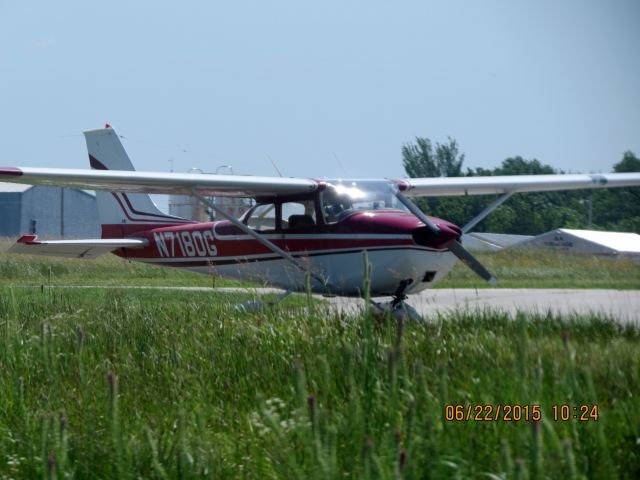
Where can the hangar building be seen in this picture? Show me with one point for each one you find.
(50, 212)
(587, 242)
(491, 242)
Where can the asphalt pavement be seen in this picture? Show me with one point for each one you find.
(621, 305)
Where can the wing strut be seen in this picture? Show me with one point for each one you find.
(484, 213)
(270, 245)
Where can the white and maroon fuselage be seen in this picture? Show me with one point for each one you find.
(398, 247)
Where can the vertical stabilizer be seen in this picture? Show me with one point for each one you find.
(120, 213)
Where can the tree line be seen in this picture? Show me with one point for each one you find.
(614, 209)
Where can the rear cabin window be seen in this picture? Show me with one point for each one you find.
(299, 214)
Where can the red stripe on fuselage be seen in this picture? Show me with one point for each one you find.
(147, 214)
(98, 165)
(358, 232)
(121, 230)
(212, 262)
(240, 248)
(169, 242)
(170, 220)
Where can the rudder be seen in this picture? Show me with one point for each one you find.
(120, 213)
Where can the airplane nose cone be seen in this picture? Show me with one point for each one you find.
(449, 232)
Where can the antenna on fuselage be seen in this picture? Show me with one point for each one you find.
(274, 165)
(344, 171)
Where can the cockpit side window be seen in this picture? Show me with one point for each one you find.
(263, 217)
(334, 206)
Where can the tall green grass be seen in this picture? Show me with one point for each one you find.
(106, 270)
(145, 384)
(520, 268)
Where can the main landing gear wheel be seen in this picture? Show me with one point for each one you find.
(251, 306)
(397, 308)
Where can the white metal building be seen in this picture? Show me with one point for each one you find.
(491, 242)
(587, 242)
(50, 212)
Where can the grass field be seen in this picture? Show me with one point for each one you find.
(513, 268)
(538, 269)
(126, 383)
(123, 384)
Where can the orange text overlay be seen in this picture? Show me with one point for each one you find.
(517, 413)
(491, 413)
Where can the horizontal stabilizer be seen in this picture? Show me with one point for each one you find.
(89, 248)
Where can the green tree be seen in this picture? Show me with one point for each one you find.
(629, 163)
(528, 213)
(531, 213)
(422, 160)
(618, 209)
(519, 166)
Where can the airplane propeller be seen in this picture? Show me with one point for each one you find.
(455, 247)
(472, 262)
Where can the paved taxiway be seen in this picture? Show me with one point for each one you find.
(622, 305)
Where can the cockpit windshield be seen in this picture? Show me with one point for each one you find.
(341, 198)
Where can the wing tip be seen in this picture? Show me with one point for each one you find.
(10, 172)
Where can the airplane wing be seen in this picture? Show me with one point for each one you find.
(30, 245)
(456, 186)
(158, 182)
(255, 186)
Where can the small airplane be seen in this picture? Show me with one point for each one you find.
(301, 233)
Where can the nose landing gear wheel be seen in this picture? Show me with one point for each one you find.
(397, 308)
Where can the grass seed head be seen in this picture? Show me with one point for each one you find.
(403, 458)
(113, 385)
(80, 336)
(51, 465)
(311, 400)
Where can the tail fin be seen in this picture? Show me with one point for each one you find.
(120, 213)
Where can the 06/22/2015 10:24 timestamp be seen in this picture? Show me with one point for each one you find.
(518, 412)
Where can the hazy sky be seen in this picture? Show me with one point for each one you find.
(329, 88)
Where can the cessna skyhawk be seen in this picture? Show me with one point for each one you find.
(300, 231)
